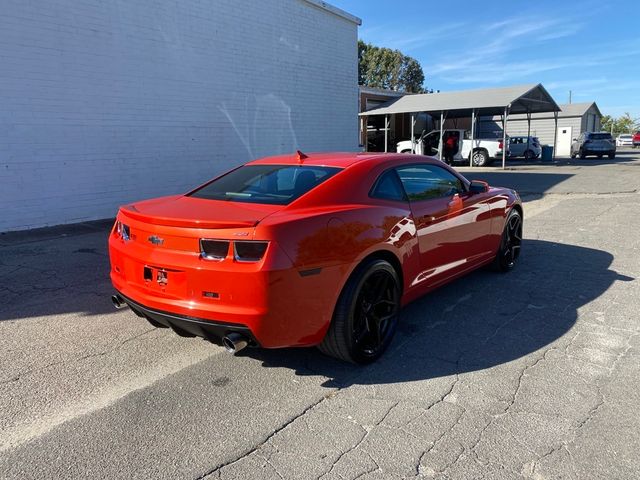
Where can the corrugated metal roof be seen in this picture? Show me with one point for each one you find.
(488, 101)
(577, 109)
(566, 111)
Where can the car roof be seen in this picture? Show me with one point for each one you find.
(338, 159)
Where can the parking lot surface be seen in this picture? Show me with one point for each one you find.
(530, 374)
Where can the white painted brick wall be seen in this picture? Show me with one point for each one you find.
(107, 102)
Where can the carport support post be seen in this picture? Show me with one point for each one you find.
(528, 128)
(386, 132)
(555, 135)
(441, 134)
(473, 125)
(413, 140)
(504, 137)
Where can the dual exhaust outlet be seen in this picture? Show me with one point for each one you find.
(232, 342)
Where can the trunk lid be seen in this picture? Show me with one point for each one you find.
(189, 212)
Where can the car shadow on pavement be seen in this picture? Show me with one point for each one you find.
(477, 322)
(57, 270)
(531, 184)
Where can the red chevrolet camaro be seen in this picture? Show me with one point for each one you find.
(304, 250)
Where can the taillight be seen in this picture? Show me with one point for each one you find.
(123, 231)
(249, 251)
(500, 145)
(214, 249)
(245, 251)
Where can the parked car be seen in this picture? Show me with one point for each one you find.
(485, 151)
(636, 139)
(523, 146)
(590, 143)
(624, 140)
(304, 250)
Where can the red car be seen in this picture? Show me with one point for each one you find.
(636, 140)
(309, 250)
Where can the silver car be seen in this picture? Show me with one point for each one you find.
(593, 143)
(527, 147)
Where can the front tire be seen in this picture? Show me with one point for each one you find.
(529, 155)
(583, 155)
(510, 244)
(612, 156)
(366, 315)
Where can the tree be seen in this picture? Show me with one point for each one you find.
(623, 124)
(390, 69)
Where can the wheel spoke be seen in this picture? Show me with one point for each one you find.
(362, 334)
(374, 328)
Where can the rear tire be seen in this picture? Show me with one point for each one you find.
(529, 155)
(366, 315)
(612, 156)
(479, 158)
(582, 154)
(510, 244)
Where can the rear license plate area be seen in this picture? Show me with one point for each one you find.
(171, 282)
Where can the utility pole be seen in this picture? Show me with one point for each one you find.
(569, 97)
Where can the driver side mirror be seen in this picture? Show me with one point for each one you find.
(575, 139)
(478, 186)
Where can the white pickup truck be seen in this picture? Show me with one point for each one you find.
(484, 151)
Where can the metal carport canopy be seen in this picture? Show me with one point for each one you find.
(489, 101)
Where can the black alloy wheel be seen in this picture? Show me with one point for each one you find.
(511, 243)
(366, 316)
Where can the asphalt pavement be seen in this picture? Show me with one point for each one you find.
(531, 374)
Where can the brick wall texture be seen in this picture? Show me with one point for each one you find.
(107, 102)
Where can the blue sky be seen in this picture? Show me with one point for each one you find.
(589, 47)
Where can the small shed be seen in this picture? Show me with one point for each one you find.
(573, 119)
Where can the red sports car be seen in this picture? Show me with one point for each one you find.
(304, 250)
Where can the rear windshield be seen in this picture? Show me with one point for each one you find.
(271, 184)
(600, 136)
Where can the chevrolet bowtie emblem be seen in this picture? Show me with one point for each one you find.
(156, 240)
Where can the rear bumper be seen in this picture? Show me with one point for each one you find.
(190, 326)
(599, 152)
(270, 302)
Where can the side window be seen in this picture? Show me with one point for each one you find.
(425, 182)
(388, 187)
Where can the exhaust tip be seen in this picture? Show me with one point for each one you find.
(118, 301)
(234, 342)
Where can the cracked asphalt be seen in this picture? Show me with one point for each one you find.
(533, 374)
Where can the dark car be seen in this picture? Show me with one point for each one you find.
(595, 144)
